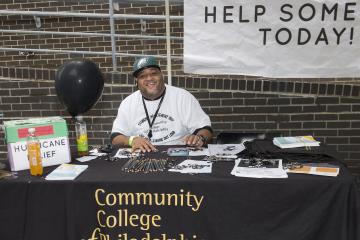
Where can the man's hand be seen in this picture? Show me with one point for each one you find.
(143, 144)
(194, 141)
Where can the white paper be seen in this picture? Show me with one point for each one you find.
(233, 40)
(225, 150)
(95, 150)
(98, 154)
(51, 155)
(193, 166)
(86, 158)
(254, 172)
(66, 172)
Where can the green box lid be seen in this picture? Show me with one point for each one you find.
(47, 127)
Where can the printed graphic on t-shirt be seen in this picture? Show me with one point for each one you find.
(162, 129)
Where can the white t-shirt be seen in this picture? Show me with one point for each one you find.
(180, 114)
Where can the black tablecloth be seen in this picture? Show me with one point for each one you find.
(212, 206)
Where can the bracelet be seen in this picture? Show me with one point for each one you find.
(131, 139)
(203, 138)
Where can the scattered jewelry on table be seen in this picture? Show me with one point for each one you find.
(111, 158)
(259, 163)
(145, 165)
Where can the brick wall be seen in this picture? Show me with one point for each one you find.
(80, 43)
(329, 109)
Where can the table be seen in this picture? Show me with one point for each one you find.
(98, 205)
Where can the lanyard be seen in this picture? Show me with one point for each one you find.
(155, 114)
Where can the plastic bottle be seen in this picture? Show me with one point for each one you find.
(34, 154)
(81, 136)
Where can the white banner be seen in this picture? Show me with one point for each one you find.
(278, 38)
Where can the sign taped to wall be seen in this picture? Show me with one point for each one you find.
(279, 38)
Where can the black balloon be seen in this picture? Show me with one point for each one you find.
(78, 85)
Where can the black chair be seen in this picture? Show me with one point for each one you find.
(238, 137)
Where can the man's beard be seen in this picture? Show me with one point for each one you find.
(154, 93)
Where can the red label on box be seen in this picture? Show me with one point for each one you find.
(39, 131)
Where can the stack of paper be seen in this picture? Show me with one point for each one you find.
(244, 170)
(225, 150)
(293, 142)
(193, 166)
(66, 172)
(95, 152)
(317, 169)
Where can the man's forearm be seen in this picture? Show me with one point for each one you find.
(121, 140)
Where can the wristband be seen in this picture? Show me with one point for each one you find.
(131, 139)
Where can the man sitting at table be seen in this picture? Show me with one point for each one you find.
(159, 114)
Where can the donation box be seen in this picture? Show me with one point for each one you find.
(53, 136)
